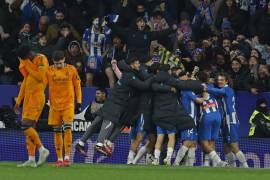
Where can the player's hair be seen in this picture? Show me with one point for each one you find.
(103, 90)
(131, 60)
(203, 76)
(58, 55)
(164, 67)
(23, 52)
(227, 78)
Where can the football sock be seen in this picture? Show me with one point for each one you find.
(230, 158)
(131, 154)
(58, 142)
(180, 154)
(67, 142)
(140, 154)
(169, 152)
(31, 148)
(32, 134)
(157, 153)
(214, 157)
(191, 156)
(206, 160)
(241, 157)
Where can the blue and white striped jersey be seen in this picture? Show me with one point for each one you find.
(227, 102)
(188, 99)
(96, 41)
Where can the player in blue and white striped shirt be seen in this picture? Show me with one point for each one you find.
(210, 123)
(95, 45)
(189, 137)
(230, 126)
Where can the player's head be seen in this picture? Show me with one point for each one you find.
(165, 68)
(58, 59)
(203, 76)
(222, 80)
(183, 76)
(101, 94)
(140, 22)
(24, 52)
(134, 63)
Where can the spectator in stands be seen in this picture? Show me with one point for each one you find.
(74, 57)
(91, 112)
(43, 25)
(78, 14)
(260, 120)
(253, 67)
(53, 31)
(31, 13)
(220, 62)
(239, 75)
(43, 47)
(50, 7)
(262, 84)
(25, 35)
(118, 49)
(157, 22)
(7, 74)
(260, 25)
(205, 16)
(229, 12)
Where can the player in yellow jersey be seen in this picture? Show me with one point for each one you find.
(64, 83)
(33, 67)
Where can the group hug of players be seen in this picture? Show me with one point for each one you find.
(150, 97)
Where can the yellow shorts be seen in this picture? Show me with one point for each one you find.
(60, 117)
(31, 114)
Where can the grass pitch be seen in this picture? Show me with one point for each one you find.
(9, 171)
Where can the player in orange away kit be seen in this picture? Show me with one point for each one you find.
(64, 83)
(33, 68)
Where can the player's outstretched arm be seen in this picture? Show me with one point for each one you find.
(216, 91)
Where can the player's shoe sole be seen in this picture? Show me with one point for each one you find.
(28, 163)
(43, 157)
(80, 149)
(101, 149)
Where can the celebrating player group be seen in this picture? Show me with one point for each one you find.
(161, 103)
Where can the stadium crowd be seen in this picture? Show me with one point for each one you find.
(215, 35)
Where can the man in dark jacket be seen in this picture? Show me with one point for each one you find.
(260, 120)
(138, 39)
(168, 114)
(116, 104)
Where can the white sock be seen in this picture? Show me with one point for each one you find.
(241, 157)
(180, 154)
(169, 152)
(206, 160)
(230, 158)
(60, 159)
(214, 157)
(131, 154)
(81, 143)
(31, 158)
(140, 154)
(66, 157)
(157, 153)
(41, 149)
(191, 156)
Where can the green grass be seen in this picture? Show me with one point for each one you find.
(9, 171)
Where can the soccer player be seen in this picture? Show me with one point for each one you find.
(95, 46)
(230, 128)
(33, 68)
(116, 105)
(168, 113)
(189, 137)
(64, 83)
